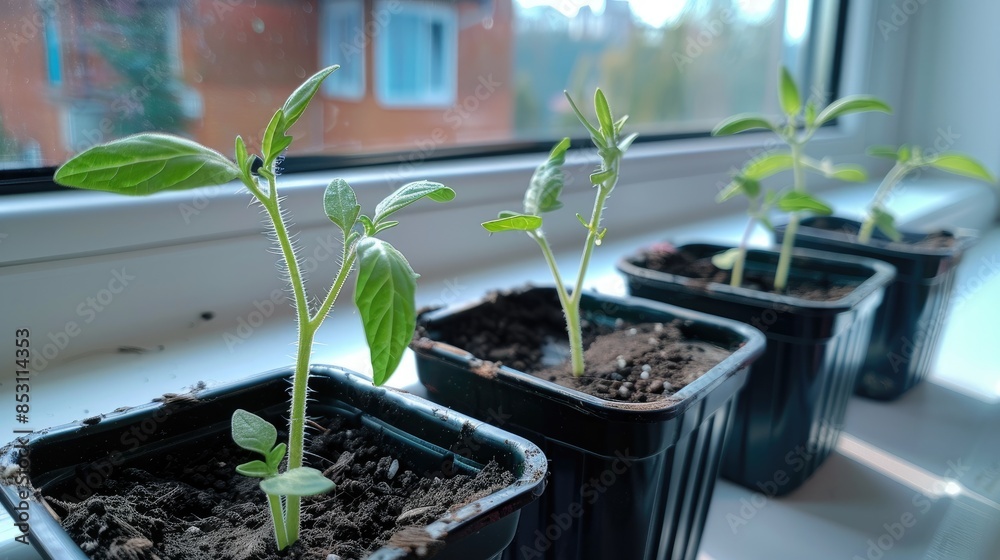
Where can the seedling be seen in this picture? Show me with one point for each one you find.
(384, 293)
(543, 196)
(801, 121)
(909, 159)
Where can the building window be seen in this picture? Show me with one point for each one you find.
(53, 51)
(343, 41)
(417, 55)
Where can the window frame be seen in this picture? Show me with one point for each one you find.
(329, 49)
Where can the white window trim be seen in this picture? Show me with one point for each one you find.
(331, 53)
(446, 14)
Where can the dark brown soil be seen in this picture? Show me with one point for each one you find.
(665, 258)
(625, 362)
(934, 240)
(195, 507)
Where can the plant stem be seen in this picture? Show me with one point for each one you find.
(278, 516)
(895, 175)
(296, 421)
(347, 263)
(741, 258)
(785, 259)
(570, 310)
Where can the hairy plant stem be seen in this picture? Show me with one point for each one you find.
(895, 174)
(785, 258)
(287, 522)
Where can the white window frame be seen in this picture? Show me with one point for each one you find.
(335, 49)
(447, 17)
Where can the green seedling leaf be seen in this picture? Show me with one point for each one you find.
(770, 164)
(743, 122)
(788, 94)
(626, 143)
(852, 104)
(253, 433)
(276, 455)
(766, 222)
(851, 173)
(547, 182)
(726, 260)
(300, 98)
(303, 481)
(796, 201)
(599, 177)
(961, 164)
(739, 185)
(513, 222)
(146, 163)
(341, 204)
(410, 193)
(275, 140)
(620, 124)
(382, 226)
(905, 152)
(385, 298)
(604, 114)
(888, 152)
(594, 133)
(256, 469)
(810, 113)
(368, 224)
(886, 223)
(243, 159)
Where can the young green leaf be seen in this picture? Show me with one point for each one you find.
(726, 260)
(275, 140)
(796, 201)
(243, 158)
(847, 172)
(547, 182)
(743, 122)
(276, 455)
(146, 163)
(303, 481)
(256, 469)
(886, 223)
(595, 134)
(810, 114)
(410, 193)
(961, 164)
(513, 222)
(852, 104)
(767, 165)
(788, 94)
(384, 295)
(888, 152)
(252, 432)
(341, 204)
(604, 114)
(296, 103)
(626, 142)
(905, 152)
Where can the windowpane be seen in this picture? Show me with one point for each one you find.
(417, 75)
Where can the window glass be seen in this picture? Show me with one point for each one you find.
(417, 76)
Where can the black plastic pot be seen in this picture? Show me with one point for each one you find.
(627, 480)
(790, 414)
(909, 322)
(421, 432)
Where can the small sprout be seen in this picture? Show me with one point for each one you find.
(147, 163)
(542, 196)
(909, 159)
(801, 121)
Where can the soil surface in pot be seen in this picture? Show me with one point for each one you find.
(193, 506)
(665, 258)
(625, 362)
(934, 240)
